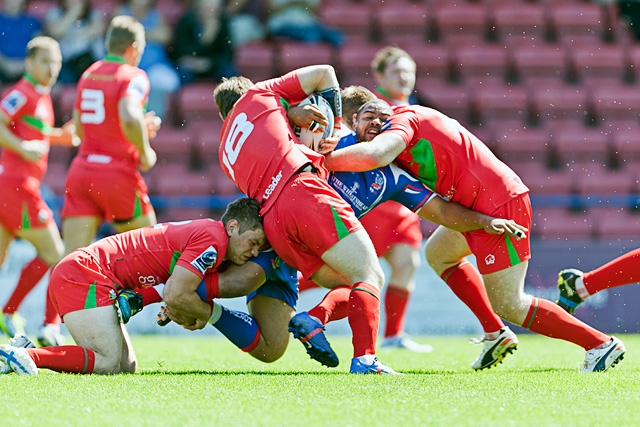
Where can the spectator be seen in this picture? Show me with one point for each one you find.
(395, 74)
(203, 46)
(17, 28)
(246, 20)
(298, 20)
(80, 31)
(155, 61)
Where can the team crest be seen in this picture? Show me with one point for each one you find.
(490, 259)
(13, 102)
(206, 260)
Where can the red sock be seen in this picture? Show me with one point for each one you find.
(65, 358)
(547, 318)
(364, 316)
(466, 282)
(396, 300)
(621, 271)
(149, 296)
(29, 278)
(334, 305)
(306, 284)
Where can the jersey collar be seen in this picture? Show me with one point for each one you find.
(114, 58)
(37, 86)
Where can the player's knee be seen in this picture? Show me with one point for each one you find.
(267, 355)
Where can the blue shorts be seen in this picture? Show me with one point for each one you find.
(282, 279)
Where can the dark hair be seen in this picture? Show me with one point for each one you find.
(246, 211)
(354, 97)
(227, 93)
(122, 33)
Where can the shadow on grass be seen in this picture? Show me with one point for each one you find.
(225, 373)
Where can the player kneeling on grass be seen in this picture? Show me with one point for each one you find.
(85, 284)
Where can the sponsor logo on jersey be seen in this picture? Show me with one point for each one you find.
(13, 102)
(206, 260)
(274, 183)
(138, 87)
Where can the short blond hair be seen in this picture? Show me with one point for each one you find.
(41, 43)
(388, 55)
(123, 32)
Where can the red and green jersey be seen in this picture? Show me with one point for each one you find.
(29, 107)
(448, 158)
(100, 89)
(147, 256)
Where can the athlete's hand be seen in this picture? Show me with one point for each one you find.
(148, 159)
(501, 226)
(153, 124)
(33, 150)
(178, 317)
(305, 115)
(327, 145)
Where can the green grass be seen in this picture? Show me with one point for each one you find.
(189, 381)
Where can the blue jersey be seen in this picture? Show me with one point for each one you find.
(366, 190)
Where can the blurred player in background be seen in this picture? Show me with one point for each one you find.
(84, 287)
(104, 182)
(576, 286)
(26, 130)
(448, 158)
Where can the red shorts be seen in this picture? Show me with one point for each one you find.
(114, 191)
(22, 206)
(78, 282)
(495, 252)
(308, 218)
(390, 224)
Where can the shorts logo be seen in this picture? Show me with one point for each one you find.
(13, 102)
(206, 260)
(490, 259)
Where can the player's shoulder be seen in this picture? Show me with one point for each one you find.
(16, 97)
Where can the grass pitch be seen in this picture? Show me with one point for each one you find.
(200, 380)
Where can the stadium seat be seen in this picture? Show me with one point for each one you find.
(433, 60)
(176, 179)
(538, 61)
(560, 224)
(174, 145)
(598, 61)
(353, 19)
(575, 20)
(616, 222)
(598, 179)
(625, 139)
(520, 20)
(554, 100)
(292, 54)
(574, 143)
(460, 19)
(222, 184)
(206, 141)
(518, 142)
(496, 101)
(542, 180)
(255, 60)
(615, 101)
(195, 102)
(354, 60)
(453, 100)
(39, 8)
(633, 54)
(475, 62)
(182, 213)
(401, 20)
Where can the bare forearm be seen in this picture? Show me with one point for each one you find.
(454, 216)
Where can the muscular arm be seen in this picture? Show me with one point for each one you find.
(29, 150)
(457, 217)
(241, 280)
(317, 77)
(381, 151)
(134, 127)
(180, 295)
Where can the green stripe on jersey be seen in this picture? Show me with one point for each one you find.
(90, 301)
(174, 260)
(26, 224)
(38, 124)
(341, 229)
(514, 259)
(422, 154)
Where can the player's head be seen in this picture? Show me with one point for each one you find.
(395, 72)
(353, 97)
(369, 119)
(43, 60)
(126, 38)
(227, 93)
(243, 223)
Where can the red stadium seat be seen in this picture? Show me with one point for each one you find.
(401, 20)
(572, 20)
(597, 179)
(560, 224)
(615, 101)
(553, 100)
(542, 180)
(574, 143)
(292, 55)
(176, 179)
(195, 102)
(433, 60)
(517, 142)
(616, 223)
(206, 141)
(354, 19)
(461, 19)
(174, 145)
(255, 60)
(593, 61)
(452, 100)
(501, 102)
(520, 20)
(625, 139)
(182, 213)
(354, 60)
(535, 61)
(481, 61)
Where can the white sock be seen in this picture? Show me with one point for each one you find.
(367, 359)
(581, 289)
(216, 313)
